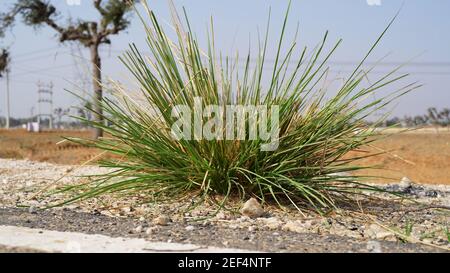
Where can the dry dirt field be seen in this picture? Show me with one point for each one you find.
(422, 156)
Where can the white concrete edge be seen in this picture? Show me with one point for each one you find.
(74, 242)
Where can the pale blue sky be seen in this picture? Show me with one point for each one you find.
(422, 28)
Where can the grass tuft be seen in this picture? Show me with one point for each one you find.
(310, 169)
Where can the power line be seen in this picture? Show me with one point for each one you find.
(39, 57)
(39, 71)
(34, 52)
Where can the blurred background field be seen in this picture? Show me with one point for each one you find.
(421, 155)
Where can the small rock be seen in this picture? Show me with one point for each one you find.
(376, 232)
(221, 216)
(161, 220)
(141, 219)
(251, 228)
(190, 228)
(405, 183)
(296, 226)
(252, 209)
(151, 230)
(138, 229)
(431, 193)
(374, 247)
(243, 219)
(126, 210)
(32, 210)
(272, 223)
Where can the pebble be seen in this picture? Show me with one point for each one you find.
(162, 220)
(374, 247)
(190, 228)
(221, 216)
(138, 229)
(296, 226)
(32, 210)
(252, 209)
(126, 210)
(376, 232)
(405, 183)
(272, 223)
(151, 230)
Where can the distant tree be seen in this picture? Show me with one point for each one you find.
(445, 116)
(420, 121)
(392, 122)
(409, 121)
(84, 113)
(4, 62)
(60, 113)
(433, 116)
(91, 34)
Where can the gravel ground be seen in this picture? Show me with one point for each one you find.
(378, 225)
(202, 234)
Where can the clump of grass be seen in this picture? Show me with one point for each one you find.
(310, 168)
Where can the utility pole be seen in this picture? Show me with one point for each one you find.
(45, 96)
(8, 112)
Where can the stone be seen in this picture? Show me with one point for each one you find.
(252, 209)
(161, 220)
(190, 228)
(138, 229)
(126, 210)
(376, 232)
(374, 247)
(32, 210)
(221, 216)
(272, 223)
(405, 183)
(296, 226)
(151, 230)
